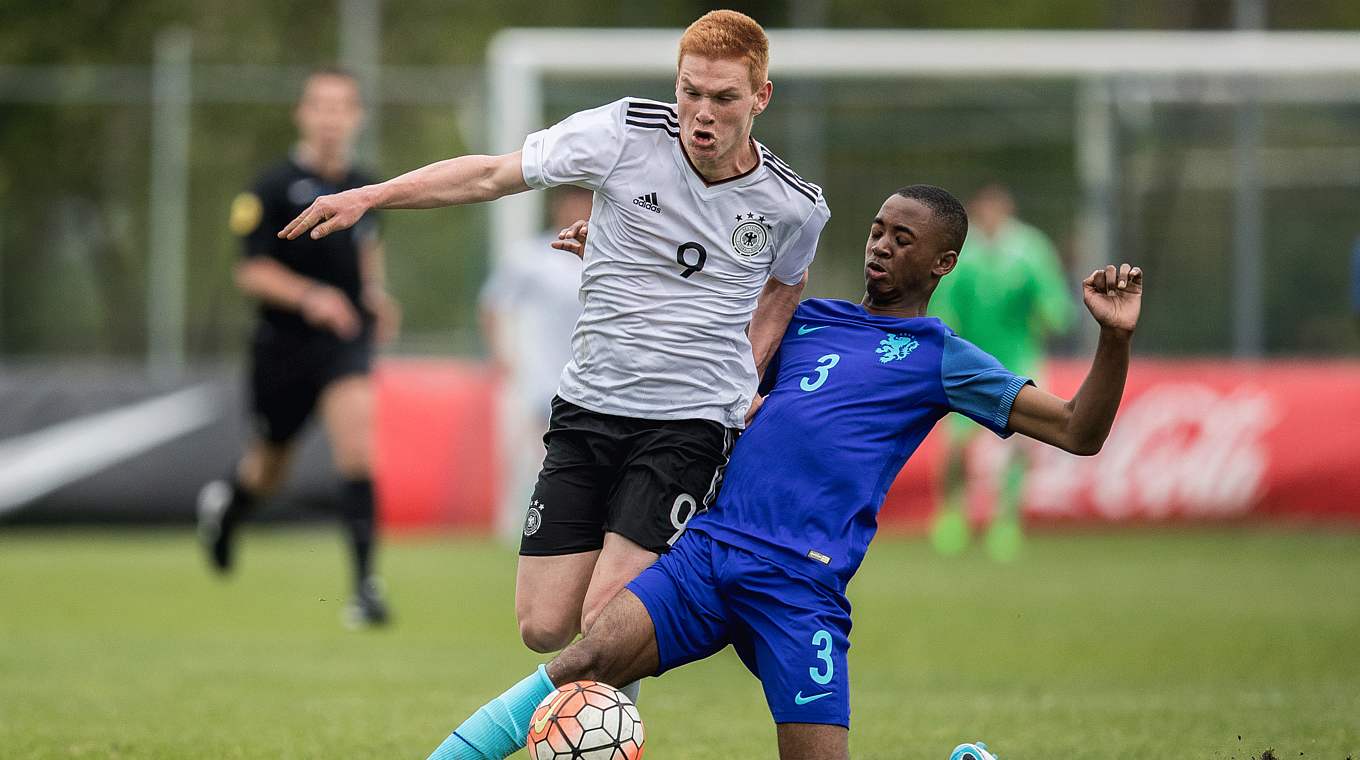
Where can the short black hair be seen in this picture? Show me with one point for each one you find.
(950, 212)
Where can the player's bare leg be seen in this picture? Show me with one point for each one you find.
(347, 412)
(813, 741)
(549, 594)
(620, 561)
(1005, 535)
(223, 504)
(263, 467)
(619, 649)
(949, 532)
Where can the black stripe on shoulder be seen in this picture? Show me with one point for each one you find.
(774, 169)
(785, 165)
(653, 125)
(634, 104)
(777, 162)
(653, 116)
(801, 187)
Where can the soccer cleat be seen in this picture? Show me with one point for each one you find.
(367, 608)
(972, 751)
(213, 531)
(949, 533)
(1005, 537)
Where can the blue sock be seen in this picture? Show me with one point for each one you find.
(500, 727)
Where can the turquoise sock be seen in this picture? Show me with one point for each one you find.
(499, 728)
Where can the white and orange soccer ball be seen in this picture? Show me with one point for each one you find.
(585, 720)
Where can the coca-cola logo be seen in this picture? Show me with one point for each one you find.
(1177, 450)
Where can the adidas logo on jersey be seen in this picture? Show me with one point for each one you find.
(648, 202)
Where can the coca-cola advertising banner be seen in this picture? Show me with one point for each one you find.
(1194, 440)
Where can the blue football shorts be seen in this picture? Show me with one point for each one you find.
(790, 631)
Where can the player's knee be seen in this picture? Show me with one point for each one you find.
(353, 469)
(352, 459)
(262, 482)
(545, 635)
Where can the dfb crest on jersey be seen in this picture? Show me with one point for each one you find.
(534, 519)
(751, 235)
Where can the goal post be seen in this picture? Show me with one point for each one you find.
(520, 59)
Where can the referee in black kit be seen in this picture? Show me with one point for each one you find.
(322, 308)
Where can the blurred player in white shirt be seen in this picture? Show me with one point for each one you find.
(528, 310)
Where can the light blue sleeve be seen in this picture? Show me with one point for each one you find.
(977, 386)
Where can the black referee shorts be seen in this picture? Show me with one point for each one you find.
(642, 479)
(288, 373)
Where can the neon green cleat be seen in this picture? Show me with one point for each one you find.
(949, 533)
(1005, 537)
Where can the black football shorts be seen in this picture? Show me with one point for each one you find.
(642, 479)
(288, 373)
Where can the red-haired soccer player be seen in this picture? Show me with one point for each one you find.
(697, 232)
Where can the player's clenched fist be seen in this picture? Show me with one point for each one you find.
(1114, 296)
(328, 214)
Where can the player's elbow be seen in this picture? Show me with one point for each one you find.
(792, 293)
(1084, 445)
(499, 176)
(1086, 449)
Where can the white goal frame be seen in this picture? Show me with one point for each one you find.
(1244, 67)
(1240, 68)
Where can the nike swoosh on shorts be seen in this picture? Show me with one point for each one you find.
(802, 700)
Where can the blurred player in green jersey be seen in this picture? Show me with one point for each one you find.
(1007, 293)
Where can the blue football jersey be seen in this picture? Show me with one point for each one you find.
(853, 395)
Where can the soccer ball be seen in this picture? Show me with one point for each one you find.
(585, 720)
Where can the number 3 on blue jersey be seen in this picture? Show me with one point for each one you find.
(823, 368)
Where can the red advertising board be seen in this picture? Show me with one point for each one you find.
(1194, 440)
(434, 445)
(1201, 440)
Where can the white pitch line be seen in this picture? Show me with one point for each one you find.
(38, 463)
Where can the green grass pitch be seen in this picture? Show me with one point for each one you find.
(1132, 645)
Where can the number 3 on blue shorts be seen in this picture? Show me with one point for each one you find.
(822, 640)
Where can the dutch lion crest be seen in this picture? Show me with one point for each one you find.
(895, 347)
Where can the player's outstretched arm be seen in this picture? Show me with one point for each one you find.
(1081, 425)
(453, 182)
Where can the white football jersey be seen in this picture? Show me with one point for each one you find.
(673, 265)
